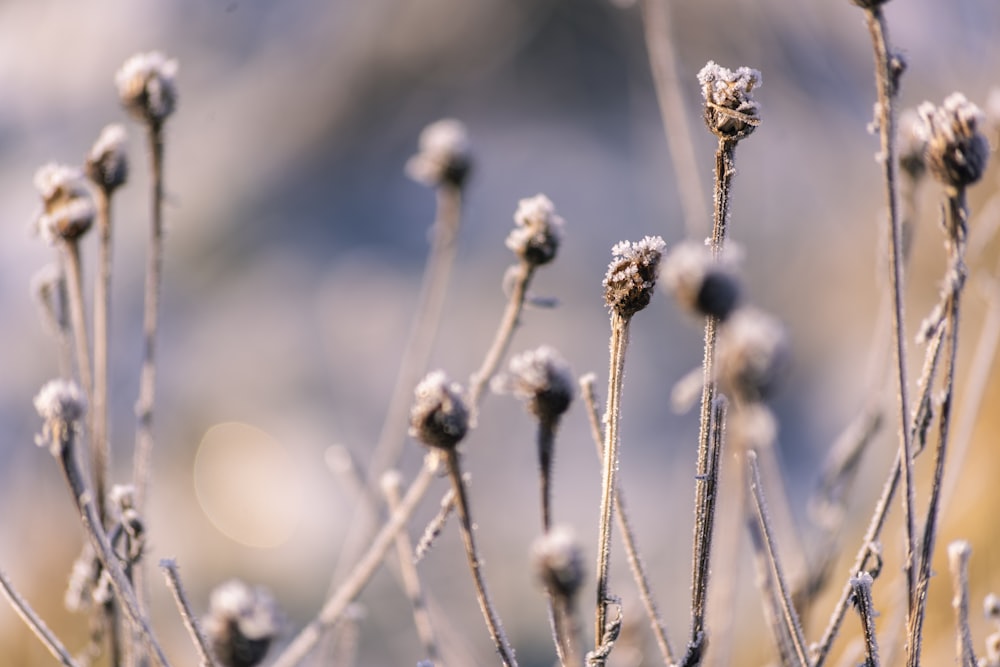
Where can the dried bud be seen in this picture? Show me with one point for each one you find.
(752, 355)
(536, 237)
(730, 110)
(912, 145)
(559, 562)
(439, 417)
(62, 406)
(67, 205)
(542, 378)
(752, 426)
(957, 150)
(991, 607)
(241, 623)
(107, 163)
(444, 156)
(631, 276)
(147, 88)
(701, 283)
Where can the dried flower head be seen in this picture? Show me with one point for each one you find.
(241, 623)
(752, 426)
(700, 282)
(538, 231)
(61, 404)
(753, 354)
(444, 156)
(439, 417)
(67, 205)
(107, 162)
(991, 607)
(147, 88)
(543, 379)
(558, 561)
(957, 150)
(730, 110)
(912, 145)
(631, 276)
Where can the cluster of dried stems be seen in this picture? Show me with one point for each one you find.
(744, 353)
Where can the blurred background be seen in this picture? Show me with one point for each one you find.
(295, 244)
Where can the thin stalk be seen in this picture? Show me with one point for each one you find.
(35, 623)
(886, 85)
(566, 630)
(423, 330)
(78, 317)
(546, 442)
(955, 223)
(475, 564)
(627, 533)
(670, 98)
(173, 577)
(501, 341)
(958, 562)
(790, 619)
(102, 308)
(360, 575)
(150, 322)
(619, 343)
(410, 577)
(862, 585)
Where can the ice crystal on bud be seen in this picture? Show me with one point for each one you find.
(439, 417)
(241, 623)
(67, 205)
(107, 163)
(60, 403)
(147, 87)
(542, 378)
(444, 155)
(538, 231)
(699, 282)
(730, 110)
(631, 276)
(559, 562)
(957, 150)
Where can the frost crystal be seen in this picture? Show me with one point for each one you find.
(730, 110)
(957, 150)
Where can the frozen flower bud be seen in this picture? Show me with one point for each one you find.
(701, 283)
(67, 205)
(439, 417)
(538, 231)
(752, 355)
(957, 150)
(147, 87)
(62, 406)
(912, 145)
(542, 378)
(241, 623)
(444, 156)
(558, 562)
(631, 276)
(730, 110)
(107, 163)
(991, 607)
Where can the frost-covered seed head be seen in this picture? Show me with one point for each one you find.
(753, 354)
(752, 426)
(107, 162)
(147, 87)
(992, 650)
(559, 562)
(631, 276)
(699, 282)
(241, 623)
(543, 379)
(444, 156)
(991, 607)
(957, 149)
(438, 417)
(538, 231)
(60, 403)
(730, 110)
(67, 205)
(912, 145)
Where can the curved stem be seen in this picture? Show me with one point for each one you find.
(35, 624)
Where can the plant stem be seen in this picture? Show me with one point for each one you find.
(862, 585)
(619, 343)
(169, 567)
(475, 564)
(78, 317)
(958, 562)
(627, 533)
(35, 624)
(546, 442)
(886, 85)
(423, 331)
(955, 223)
(367, 565)
(102, 307)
